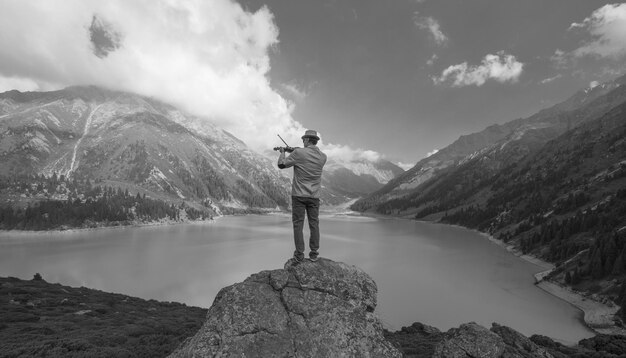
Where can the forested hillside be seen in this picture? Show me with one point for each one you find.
(49, 203)
(565, 203)
(498, 145)
(560, 197)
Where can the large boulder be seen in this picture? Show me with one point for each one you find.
(416, 340)
(473, 340)
(470, 340)
(518, 345)
(314, 309)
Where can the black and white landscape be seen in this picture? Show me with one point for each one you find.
(138, 178)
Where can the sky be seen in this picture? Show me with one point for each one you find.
(397, 79)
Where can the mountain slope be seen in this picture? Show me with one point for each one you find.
(555, 190)
(343, 181)
(121, 138)
(510, 140)
(566, 203)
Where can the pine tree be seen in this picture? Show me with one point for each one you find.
(621, 300)
(596, 267)
(618, 266)
(568, 278)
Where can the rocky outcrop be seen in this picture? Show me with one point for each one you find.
(416, 340)
(611, 344)
(600, 346)
(314, 309)
(473, 340)
(518, 345)
(469, 340)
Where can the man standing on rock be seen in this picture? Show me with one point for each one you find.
(307, 166)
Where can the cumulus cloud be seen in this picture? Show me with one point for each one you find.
(550, 79)
(24, 84)
(341, 153)
(607, 29)
(294, 91)
(500, 67)
(432, 26)
(208, 57)
(405, 166)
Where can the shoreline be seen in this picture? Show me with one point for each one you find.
(8, 234)
(597, 316)
(18, 234)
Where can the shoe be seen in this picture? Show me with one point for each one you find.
(313, 259)
(295, 261)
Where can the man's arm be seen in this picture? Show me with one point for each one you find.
(288, 161)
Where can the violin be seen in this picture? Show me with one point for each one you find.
(287, 149)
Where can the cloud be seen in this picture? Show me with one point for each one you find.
(607, 29)
(293, 91)
(560, 59)
(432, 59)
(405, 166)
(432, 25)
(24, 84)
(500, 67)
(208, 57)
(341, 153)
(550, 79)
(432, 152)
(103, 37)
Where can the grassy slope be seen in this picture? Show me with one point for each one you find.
(40, 319)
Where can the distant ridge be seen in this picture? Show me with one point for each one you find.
(540, 127)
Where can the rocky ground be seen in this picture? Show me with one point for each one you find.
(473, 340)
(314, 309)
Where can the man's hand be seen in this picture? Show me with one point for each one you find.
(281, 150)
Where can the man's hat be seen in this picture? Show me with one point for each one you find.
(310, 133)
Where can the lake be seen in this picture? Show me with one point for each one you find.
(435, 274)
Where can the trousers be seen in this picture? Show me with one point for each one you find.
(311, 206)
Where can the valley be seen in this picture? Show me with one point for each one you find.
(552, 186)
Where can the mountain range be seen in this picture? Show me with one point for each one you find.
(144, 145)
(497, 146)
